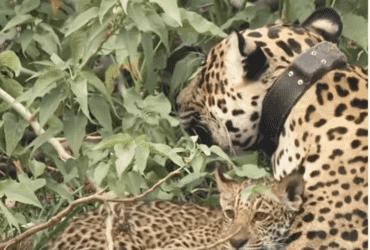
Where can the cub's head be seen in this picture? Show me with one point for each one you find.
(223, 103)
(259, 212)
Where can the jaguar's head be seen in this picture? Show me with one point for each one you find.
(223, 103)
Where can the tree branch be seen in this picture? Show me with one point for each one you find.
(98, 196)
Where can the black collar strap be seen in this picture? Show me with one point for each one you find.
(291, 85)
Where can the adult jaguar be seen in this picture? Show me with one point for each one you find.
(323, 137)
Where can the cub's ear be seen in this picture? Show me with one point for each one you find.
(327, 22)
(291, 189)
(224, 185)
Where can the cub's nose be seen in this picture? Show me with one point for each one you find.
(238, 243)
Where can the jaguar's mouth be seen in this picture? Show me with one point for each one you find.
(191, 122)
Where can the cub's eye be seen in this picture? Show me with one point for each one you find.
(230, 213)
(259, 216)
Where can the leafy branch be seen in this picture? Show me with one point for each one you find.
(97, 196)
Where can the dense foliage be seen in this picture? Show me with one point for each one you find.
(97, 73)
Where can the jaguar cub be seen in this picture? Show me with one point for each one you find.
(254, 214)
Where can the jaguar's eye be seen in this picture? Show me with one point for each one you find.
(259, 216)
(230, 213)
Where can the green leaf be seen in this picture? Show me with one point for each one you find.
(298, 10)
(170, 8)
(17, 20)
(141, 157)
(355, 28)
(81, 20)
(96, 83)
(158, 103)
(18, 192)
(131, 39)
(100, 109)
(120, 139)
(11, 86)
(104, 8)
(26, 37)
(191, 178)
(77, 46)
(59, 189)
(218, 151)
(37, 168)
(97, 36)
(198, 163)
(183, 70)
(250, 193)
(251, 171)
(47, 38)
(31, 184)
(205, 149)
(133, 183)
(133, 101)
(47, 135)
(125, 156)
(74, 129)
(70, 170)
(14, 130)
(40, 88)
(11, 60)
(100, 172)
(27, 6)
(167, 151)
(124, 5)
(58, 62)
(51, 102)
(79, 88)
(256, 15)
(121, 49)
(9, 217)
(111, 75)
(195, 23)
(147, 44)
(148, 20)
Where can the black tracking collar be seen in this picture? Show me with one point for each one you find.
(291, 85)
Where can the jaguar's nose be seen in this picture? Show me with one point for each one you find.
(238, 243)
(196, 127)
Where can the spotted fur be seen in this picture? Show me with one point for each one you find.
(166, 225)
(324, 137)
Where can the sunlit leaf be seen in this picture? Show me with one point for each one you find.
(74, 129)
(19, 192)
(14, 129)
(10, 60)
(125, 156)
(81, 20)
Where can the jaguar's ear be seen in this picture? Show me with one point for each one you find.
(245, 59)
(291, 189)
(234, 55)
(224, 185)
(327, 22)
